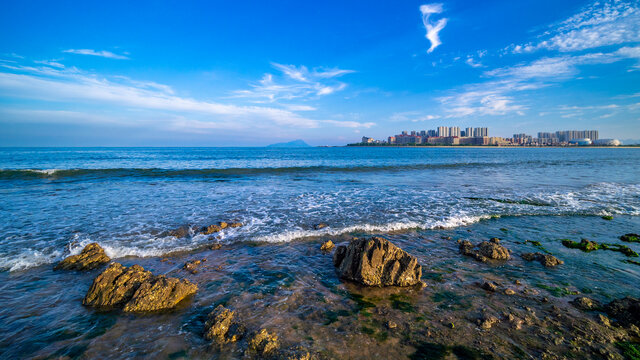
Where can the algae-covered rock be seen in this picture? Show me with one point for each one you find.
(588, 246)
(545, 259)
(91, 257)
(625, 310)
(222, 327)
(136, 290)
(377, 262)
(263, 344)
(607, 217)
(585, 303)
(485, 250)
(631, 237)
(327, 246)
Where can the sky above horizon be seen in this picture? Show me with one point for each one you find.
(177, 73)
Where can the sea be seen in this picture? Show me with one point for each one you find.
(54, 201)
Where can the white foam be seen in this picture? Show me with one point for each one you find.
(28, 259)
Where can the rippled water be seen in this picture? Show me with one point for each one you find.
(55, 201)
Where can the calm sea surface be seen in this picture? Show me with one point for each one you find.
(54, 201)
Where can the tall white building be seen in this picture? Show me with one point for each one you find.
(443, 131)
(454, 131)
(468, 132)
(480, 132)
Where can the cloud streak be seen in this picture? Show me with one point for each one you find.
(90, 52)
(433, 29)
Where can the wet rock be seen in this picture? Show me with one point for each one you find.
(235, 225)
(222, 327)
(486, 322)
(489, 286)
(296, 353)
(604, 320)
(327, 246)
(625, 310)
(216, 246)
(515, 321)
(320, 226)
(207, 230)
(585, 303)
(377, 262)
(545, 259)
(180, 232)
(631, 237)
(391, 325)
(192, 266)
(584, 245)
(263, 344)
(485, 250)
(509, 292)
(136, 290)
(607, 217)
(91, 257)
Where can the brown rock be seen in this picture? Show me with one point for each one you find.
(223, 225)
(235, 225)
(487, 322)
(263, 344)
(327, 246)
(216, 246)
(182, 231)
(485, 250)
(136, 290)
(584, 303)
(320, 226)
(489, 286)
(210, 229)
(91, 257)
(222, 327)
(545, 259)
(509, 292)
(296, 353)
(376, 262)
(192, 266)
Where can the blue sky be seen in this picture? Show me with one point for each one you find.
(253, 73)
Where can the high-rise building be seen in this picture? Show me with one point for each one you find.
(468, 132)
(480, 132)
(454, 131)
(443, 131)
(432, 133)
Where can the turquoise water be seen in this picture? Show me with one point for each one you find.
(55, 201)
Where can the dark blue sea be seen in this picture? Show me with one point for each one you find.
(54, 201)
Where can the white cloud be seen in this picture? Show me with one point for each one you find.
(602, 23)
(50, 63)
(433, 29)
(471, 62)
(413, 116)
(102, 53)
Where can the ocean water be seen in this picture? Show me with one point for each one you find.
(53, 201)
(58, 200)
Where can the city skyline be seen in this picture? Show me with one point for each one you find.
(207, 74)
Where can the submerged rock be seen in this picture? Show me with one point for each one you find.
(207, 230)
(192, 266)
(545, 259)
(625, 310)
(235, 225)
(263, 344)
(585, 303)
(485, 250)
(489, 286)
(222, 327)
(136, 290)
(376, 262)
(320, 226)
(584, 245)
(327, 246)
(91, 257)
(607, 217)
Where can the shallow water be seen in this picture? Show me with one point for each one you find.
(271, 270)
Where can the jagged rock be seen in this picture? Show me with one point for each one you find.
(327, 246)
(207, 230)
(545, 259)
(625, 310)
(91, 257)
(320, 226)
(376, 262)
(263, 344)
(222, 327)
(136, 290)
(585, 303)
(489, 286)
(192, 266)
(485, 250)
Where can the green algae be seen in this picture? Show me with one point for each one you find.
(538, 245)
(558, 291)
(630, 238)
(332, 316)
(426, 350)
(588, 246)
(361, 302)
(630, 351)
(398, 302)
(607, 217)
(434, 276)
(504, 229)
(631, 262)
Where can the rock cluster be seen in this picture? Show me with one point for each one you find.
(207, 230)
(631, 237)
(263, 344)
(136, 290)
(544, 259)
(192, 266)
(91, 257)
(625, 310)
(585, 303)
(485, 250)
(222, 327)
(376, 262)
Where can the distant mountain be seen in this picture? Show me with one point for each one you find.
(290, 144)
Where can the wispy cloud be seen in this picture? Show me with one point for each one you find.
(296, 82)
(602, 23)
(52, 63)
(412, 116)
(433, 29)
(101, 53)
